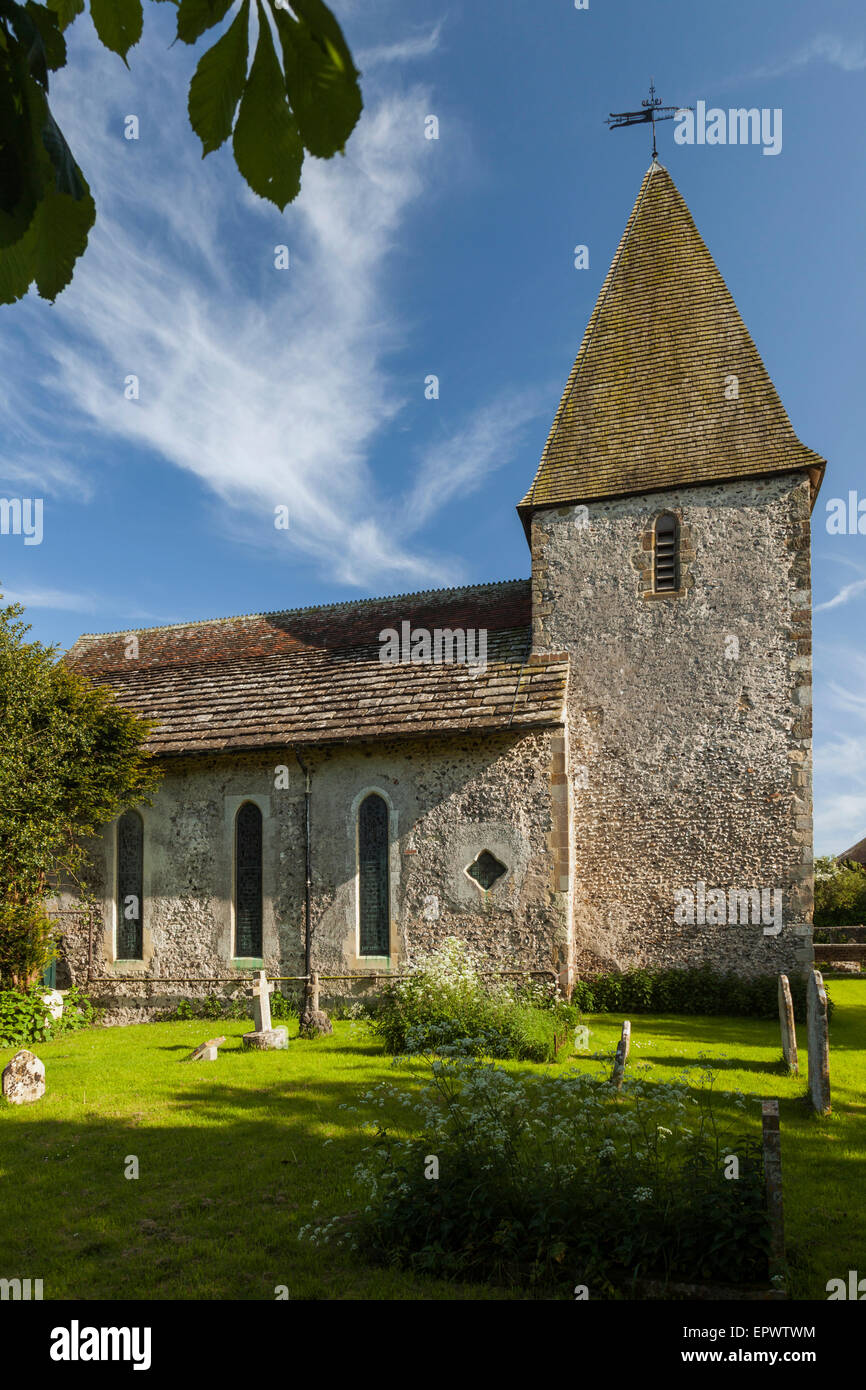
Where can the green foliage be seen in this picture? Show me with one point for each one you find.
(46, 210)
(70, 761)
(216, 1006)
(27, 942)
(556, 1179)
(443, 1002)
(24, 1016)
(698, 991)
(312, 102)
(840, 893)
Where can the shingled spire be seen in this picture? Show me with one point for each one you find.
(650, 403)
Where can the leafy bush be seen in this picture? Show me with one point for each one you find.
(697, 991)
(24, 1016)
(443, 1001)
(27, 942)
(283, 1009)
(215, 1006)
(840, 893)
(559, 1179)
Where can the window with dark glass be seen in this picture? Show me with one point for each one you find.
(130, 880)
(373, 889)
(248, 881)
(667, 553)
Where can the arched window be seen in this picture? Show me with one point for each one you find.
(373, 888)
(130, 881)
(248, 881)
(667, 568)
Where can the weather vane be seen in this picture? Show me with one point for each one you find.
(652, 111)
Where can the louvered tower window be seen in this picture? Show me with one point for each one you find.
(130, 880)
(667, 553)
(248, 881)
(373, 887)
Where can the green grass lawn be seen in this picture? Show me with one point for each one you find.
(234, 1156)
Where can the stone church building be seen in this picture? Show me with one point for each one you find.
(626, 778)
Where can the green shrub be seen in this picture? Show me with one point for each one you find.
(697, 991)
(443, 1002)
(215, 1006)
(24, 1016)
(559, 1179)
(840, 893)
(27, 943)
(283, 1009)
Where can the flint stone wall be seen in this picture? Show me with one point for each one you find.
(448, 800)
(688, 764)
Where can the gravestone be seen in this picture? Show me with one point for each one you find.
(264, 1038)
(819, 1044)
(262, 1003)
(786, 1023)
(314, 1022)
(24, 1078)
(53, 1002)
(206, 1051)
(622, 1052)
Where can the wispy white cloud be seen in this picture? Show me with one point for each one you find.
(404, 50)
(58, 599)
(459, 463)
(845, 594)
(849, 55)
(270, 386)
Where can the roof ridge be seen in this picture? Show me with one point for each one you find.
(310, 608)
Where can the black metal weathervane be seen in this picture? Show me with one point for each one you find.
(652, 111)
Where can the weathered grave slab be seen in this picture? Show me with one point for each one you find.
(786, 1023)
(267, 1040)
(622, 1051)
(819, 1044)
(24, 1078)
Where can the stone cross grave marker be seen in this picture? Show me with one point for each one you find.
(818, 1043)
(621, 1058)
(262, 1003)
(786, 1023)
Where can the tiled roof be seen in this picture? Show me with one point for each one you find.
(645, 406)
(314, 675)
(856, 852)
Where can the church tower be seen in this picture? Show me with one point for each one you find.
(669, 524)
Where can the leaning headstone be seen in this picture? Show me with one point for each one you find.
(314, 1022)
(267, 1040)
(24, 1078)
(621, 1055)
(262, 1003)
(206, 1051)
(786, 1023)
(773, 1181)
(819, 1044)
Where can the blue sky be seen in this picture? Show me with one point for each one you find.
(411, 257)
